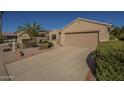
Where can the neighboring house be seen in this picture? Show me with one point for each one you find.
(23, 35)
(9, 36)
(41, 36)
(82, 33)
(79, 33)
(54, 36)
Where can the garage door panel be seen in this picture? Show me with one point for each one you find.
(86, 40)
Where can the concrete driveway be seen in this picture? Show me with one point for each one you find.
(3, 73)
(63, 63)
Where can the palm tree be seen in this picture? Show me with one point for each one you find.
(31, 29)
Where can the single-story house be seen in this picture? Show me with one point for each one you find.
(9, 36)
(41, 36)
(81, 33)
(23, 35)
(54, 36)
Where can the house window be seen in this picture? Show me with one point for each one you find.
(53, 36)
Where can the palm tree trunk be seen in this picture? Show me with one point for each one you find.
(35, 40)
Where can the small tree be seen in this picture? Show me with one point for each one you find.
(121, 36)
(31, 29)
(115, 32)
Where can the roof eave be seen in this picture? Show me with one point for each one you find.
(93, 21)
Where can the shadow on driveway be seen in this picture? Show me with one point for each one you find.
(91, 64)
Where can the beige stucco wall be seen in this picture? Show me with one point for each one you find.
(38, 39)
(22, 36)
(84, 26)
(56, 32)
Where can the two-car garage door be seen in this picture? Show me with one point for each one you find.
(82, 39)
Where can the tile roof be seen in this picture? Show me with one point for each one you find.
(8, 34)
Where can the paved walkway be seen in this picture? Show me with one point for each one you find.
(64, 63)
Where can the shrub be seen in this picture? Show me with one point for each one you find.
(45, 41)
(121, 37)
(7, 49)
(18, 45)
(50, 44)
(109, 58)
(43, 46)
(28, 43)
(111, 37)
(10, 45)
(1, 40)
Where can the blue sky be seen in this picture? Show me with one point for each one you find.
(57, 19)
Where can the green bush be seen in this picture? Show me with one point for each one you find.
(43, 46)
(121, 37)
(1, 40)
(50, 44)
(45, 41)
(109, 58)
(111, 37)
(28, 43)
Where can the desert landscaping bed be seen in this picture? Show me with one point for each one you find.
(9, 57)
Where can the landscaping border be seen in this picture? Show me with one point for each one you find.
(45, 50)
